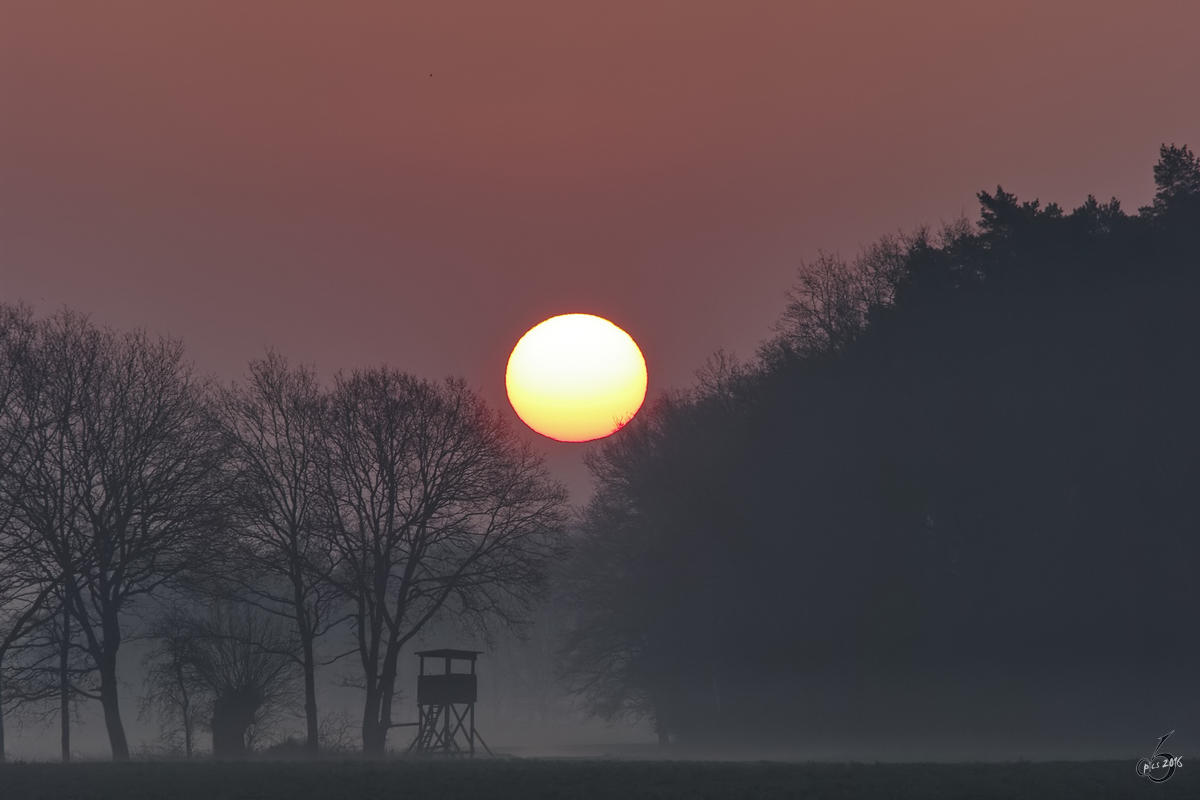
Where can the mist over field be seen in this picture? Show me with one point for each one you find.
(945, 514)
(516, 715)
(903, 299)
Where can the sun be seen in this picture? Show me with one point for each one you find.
(576, 378)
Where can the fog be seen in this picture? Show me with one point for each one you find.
(947, 513)
(930, 717)
(520, 712)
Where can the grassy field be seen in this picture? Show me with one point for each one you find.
(518, 779)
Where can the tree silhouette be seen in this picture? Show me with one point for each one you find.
(947, 479)
(119, 475)
(1177, 176)
(279, 561)
(173, 690)
(436, 506)
(235, 662)
(25, 595)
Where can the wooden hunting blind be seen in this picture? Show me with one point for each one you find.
(446, 705)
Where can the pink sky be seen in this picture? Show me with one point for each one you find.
(367, 182)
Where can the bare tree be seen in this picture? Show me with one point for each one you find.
(25, 608)
(28, 607)
(58, 667)
(827, 307)
(274, 428)
(119, 479)
(436, 505)
(24, 594)
(174, 693)
(232, 668)
(236, 663)
(723, 379)
(56, 358)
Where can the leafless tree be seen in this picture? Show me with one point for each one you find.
(435, 505)
(25, 608)
(723, 379)
(41, 499)
(827, 307)
(24, 595)
(173, 691)
(234, 664)
(120, 476)
(274, 429)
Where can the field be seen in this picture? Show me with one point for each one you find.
(527, 779)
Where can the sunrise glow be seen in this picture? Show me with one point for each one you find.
(576, 377)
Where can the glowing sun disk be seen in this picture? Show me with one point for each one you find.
(576, 377)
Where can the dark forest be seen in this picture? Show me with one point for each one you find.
(954, 496)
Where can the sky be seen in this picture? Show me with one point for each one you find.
(419, 184)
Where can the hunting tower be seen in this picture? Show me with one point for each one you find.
(446, 705)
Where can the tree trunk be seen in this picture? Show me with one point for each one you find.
(377, 716)
(1, 728)
(660, 724)
(187, 720)
(375, 729)
(112, 711)
(233, 714)
(374, 735)
(313, 745)
(387, 688)
(64, 685)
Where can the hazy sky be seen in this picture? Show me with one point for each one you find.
(418, 184)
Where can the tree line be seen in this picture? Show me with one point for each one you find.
(954, 490)
(235, 526)
(966, 457)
